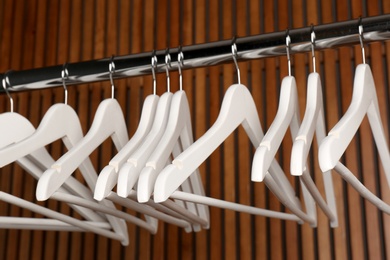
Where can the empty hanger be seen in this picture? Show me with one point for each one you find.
(129, 173)
(54, 177)
(96, 223)
(108, 177)
(238, 108)
(287, 116)
(313, 120)
(18, 129)
(108, 122)
(178, 129)
(364, 102)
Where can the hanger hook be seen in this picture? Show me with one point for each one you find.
(168, 64)
(313, 45)
(234, 54)
(361, 39)
(5, 83)
(153, 64)
(65, 76)
(288, 42)
(180, 61)
(111, 68)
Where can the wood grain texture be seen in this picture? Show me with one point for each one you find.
(40, 33)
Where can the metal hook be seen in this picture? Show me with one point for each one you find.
(288, 41)
(154, 66)
(361, 39)
(234, 53)
(180, 61)
(313, 44)
(168, 64)
(111, 68)
(5, 81)
(65, 76)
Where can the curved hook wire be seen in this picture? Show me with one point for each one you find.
(168, 64)
(234, 53)
(288, 41)
(154, 66)
(361, 39)
(6, 82)
(65, 76)
(313, 45)
(180, 61)
(111, 68)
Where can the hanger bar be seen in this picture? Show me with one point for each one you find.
(376, 28)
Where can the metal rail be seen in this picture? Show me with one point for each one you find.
(252, 47)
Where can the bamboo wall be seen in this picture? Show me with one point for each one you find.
(37, 33)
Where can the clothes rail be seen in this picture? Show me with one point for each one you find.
(331, 35)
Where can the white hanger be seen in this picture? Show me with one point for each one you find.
(108, 121)
(107, 117)
(238, 108)
(364, 101)
(108, 177)
(129, 173)
(19, 128)
(313, 120)
(23, 130)
(287, 115)
(178, 129)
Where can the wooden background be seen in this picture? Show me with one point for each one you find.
(37, 33)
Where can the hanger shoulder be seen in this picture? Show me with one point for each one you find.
(129, 173)
(303, 140)
(339, 137)
(108, 177)
(108, 122)
(59, 121)
(269, 145)
(179, 115)
(146, 121)
(169, 143)
(237, 106)
(18, 128)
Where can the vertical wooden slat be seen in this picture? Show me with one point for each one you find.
(331, 112)
(272, 85)
(257, 68)
(88, 240)
(373, 223)
(384, 107)
(13, 235)
(197, 96)
(74, 54)
(323, 230)
(242, 175)
(229, 192)
(62, 57)
(131, 17)
(50, 58)
(213, 170)
(125, 14)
